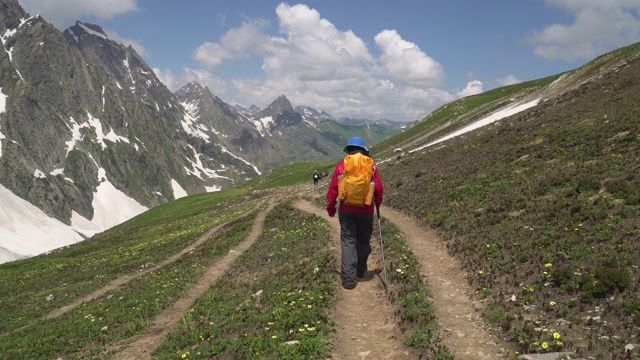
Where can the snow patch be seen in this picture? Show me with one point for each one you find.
(508, 111)
(27, 231)
(3, 108)
(512, 110)
(239, 158)
(178, 191)
(3, 102)
(39, 174)
(60, 171)
(7, 34)
(190, 124)
(262, 125)
(125, 62)
(96, 124)
(312, 124)
(93, 32)
(110, 208)
(199, 169)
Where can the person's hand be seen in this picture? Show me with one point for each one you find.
(331, 211)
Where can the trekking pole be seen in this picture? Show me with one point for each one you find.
(384, 265)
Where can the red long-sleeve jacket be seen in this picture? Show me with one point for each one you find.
(332, 193)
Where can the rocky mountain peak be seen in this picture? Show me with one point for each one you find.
(81, 30)
(282, 113)
(193, 90)
(10, 15)
(278, 106)
(194, 87)
(312, 114)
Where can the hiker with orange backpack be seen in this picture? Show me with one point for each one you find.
(357, 184)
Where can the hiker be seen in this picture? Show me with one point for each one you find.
(356, 219)
(316, 176)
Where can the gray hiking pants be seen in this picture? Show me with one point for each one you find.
(355, 236)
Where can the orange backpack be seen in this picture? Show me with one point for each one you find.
(355, 185)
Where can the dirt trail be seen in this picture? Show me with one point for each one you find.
(366, 325)
(126, 278)
(365, 319)
(465, 333)
(140, 346)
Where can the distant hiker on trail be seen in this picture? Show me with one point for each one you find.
(357, 184)
(316, 177)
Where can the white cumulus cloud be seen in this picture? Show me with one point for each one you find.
(136, 44)
(167, 77)
(473, 87)
(236, 43)
(508, 80)
(405, 62)
(61, 12)
(597, 27)
(313, 49)
(314, 63)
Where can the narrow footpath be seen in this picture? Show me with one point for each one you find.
(364, 318)
(141, 345)
(464, 331)
(127, 278)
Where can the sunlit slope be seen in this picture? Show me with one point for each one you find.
(541, 207)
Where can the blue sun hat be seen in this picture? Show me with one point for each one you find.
(356, 141)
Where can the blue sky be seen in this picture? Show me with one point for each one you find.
(393, 59)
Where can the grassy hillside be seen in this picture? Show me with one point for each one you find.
(280, 291)
(372, 133)
(543, 208)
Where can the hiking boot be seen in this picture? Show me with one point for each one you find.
(349, 286)
(359, 274)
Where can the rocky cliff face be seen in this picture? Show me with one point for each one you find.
(80, 112)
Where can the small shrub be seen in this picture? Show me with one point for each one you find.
(424, 337)
(604, 282)
(587, 184)
(443, 354)
(562, 275)
(614, 278)
(633, 199)
(633, 308)
(620, 188)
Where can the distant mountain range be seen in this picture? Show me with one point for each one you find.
(82, 113)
